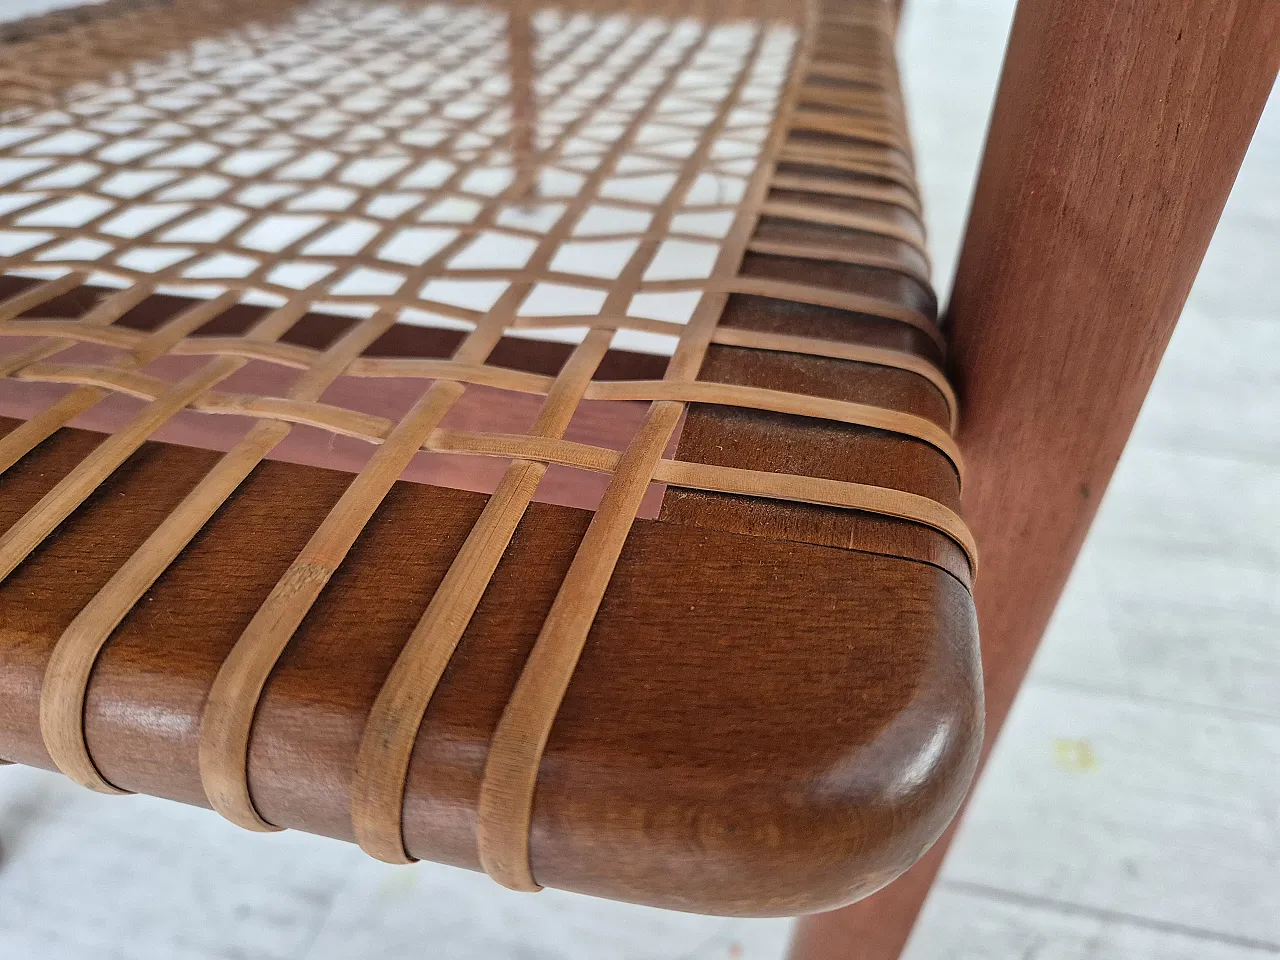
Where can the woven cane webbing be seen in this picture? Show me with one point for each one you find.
(589, 173)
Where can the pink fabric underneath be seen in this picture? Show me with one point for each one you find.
(604, 423)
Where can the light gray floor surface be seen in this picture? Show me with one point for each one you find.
(1131, 811)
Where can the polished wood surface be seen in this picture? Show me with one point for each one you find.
(1116, 137)
(778, 706)
(702, 759)
(759, 797)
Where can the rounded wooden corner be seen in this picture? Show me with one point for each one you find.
(767, 766)
(757, 726)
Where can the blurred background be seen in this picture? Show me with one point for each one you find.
(1131, 810)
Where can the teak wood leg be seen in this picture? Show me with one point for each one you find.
(1117, 133)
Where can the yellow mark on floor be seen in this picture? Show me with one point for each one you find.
(1074, 754)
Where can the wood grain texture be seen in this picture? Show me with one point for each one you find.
(777, 705)
(1125, 224)
(739, 784)
(743, 438)
(1117, 133)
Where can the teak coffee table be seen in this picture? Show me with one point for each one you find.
(518, 435)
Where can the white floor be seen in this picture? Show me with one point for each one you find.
(1132, 809)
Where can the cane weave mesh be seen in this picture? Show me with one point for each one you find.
(587, 173)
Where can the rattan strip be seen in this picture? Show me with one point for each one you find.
(33, 69)
(505, 810)
(839, 299)
(839, 253)
(511, 773)
(303, 358)
(148, 563)
(392, 729)
(826, 216)
(507, 791)
(718, 479)
(780, 401)
(859, 352)
(866, 498)
(860, 101)
(868, 162)
(858, 190)
(34, 297)
(30, 299)
(258, 279)
(228, 716)
(858, 128)
(19, 442)
(515, 752)
(67, 674)
(372, 428)
(819, 145)
(25, 535)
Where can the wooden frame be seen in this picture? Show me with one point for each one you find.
(1117, 134)
(1176, 119)
(730, 786)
